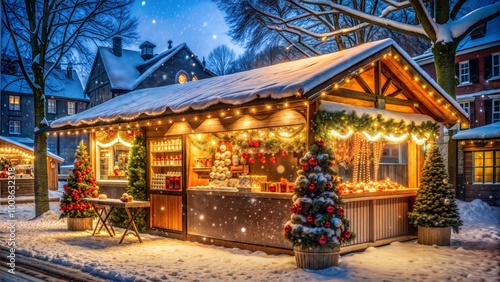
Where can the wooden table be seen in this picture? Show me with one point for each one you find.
(108, 205)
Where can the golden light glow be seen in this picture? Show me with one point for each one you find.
(372, 138)
(345, 136)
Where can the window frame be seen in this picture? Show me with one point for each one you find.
(460, 75)
(466, 107)
(179, 74)
(12, 127)
(70, 113)
(493, 112)
(16, 102)
(51, 109)
(493, 66)
(495, 164)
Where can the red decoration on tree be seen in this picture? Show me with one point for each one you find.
(263, 160)
(288, 228)
(327, 224)
(293, 209)
(259, 154)
(111, 132)
(305, 167)
(322, 240)
(330, 209)
(250, 143)
(273, 159)
(320, 143)
(341, 238)
(244, 155)
(328, 185)
(310, 218)
(312, 186)
(256, 143)
(346, 234)
(251, 160)
(80, 185)
(341, 211)
(283, 153)
(313, 161)
(299, 207)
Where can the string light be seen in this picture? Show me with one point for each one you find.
(372, 138)
(392, 138)
(345, 136)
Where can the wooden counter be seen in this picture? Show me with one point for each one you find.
(255, 220)
(25, 187)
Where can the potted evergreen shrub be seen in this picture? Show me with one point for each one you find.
(81, 184)
(435, 211)
(317, 225)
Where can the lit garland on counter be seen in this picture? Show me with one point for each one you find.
(343, 124)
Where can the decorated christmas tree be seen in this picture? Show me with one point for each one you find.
(318, 218)
(435, 205)
(136, 169)
(81, 185)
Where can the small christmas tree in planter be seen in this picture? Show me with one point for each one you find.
(136, 169)
(317, 225)
(81, 185)
(435, 211)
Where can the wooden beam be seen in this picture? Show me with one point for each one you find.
(363, 84)
(396, 93)
(377, 78)
(348, 93)
(386, 86)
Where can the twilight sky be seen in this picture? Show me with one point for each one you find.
(197, 22)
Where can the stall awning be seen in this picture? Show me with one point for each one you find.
(490, 131)
(24, 147)
(333, 107)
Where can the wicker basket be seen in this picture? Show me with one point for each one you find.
(79, 224)
(316, 258)
(440, 236)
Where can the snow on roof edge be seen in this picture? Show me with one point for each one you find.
(8, 140)
(490, 131)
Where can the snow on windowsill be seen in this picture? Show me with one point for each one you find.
(464, 84)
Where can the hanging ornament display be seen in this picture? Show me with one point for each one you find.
(377, 149)
(251, 160)
(283, 153)
(356, 150)
(273, 159)
(446, 202)
(263, 160)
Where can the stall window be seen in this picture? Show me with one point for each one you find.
(112, 154)
(51, 106)
(14, 127)
(14, 103)
(464, 72)
(496, 111)
(486, 167)
(71, 108)
(495, 65)
(395, 154)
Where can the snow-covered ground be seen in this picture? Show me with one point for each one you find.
(473, 256)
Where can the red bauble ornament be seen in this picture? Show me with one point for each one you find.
(330, 209)
(95, 195)
(341, 211)
(263, 160)
(322, 240)
(79, 179)
(69, 207)
(138, 132)
(283, 153)
(327, 224)
(293, 209)
(273, 159)
(320, 143)
(313, 161)
(288, 228)
(250, 143)
(347, 234)
(244, 155)
(305, 167)
(256, 143)
(312, 186)
(310, 218)
(76, 206)
(259, 154)
(63, 207)
(328, 185)
(111, 132)
(251, 160)
(299, 207)
(330, 164)
(341, 238)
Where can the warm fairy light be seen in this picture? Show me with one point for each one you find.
(336, 86)
(183, 119)
(323, 93)
(268, 106)
(418, 141)
(238, 112)
(348, 80)
(93, 129)
(372, 64)
(345, 136)
(392, 138)
(306, 103)
(170, 121)
(416, 78)
(148, 123)
(128, 125)
(222, 114)
(361, 70)
(119, 127)
(195, 118)
(424, 86)
(323, 38)
(405, 68)
(159, 122)
(372, 138)
(286, 104)
(209, 116)
(253, 110)
(430, 93)
(439, 100)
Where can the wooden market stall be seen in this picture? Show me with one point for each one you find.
(223, 152)
(21, 158)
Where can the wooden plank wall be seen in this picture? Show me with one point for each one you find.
(171, 215)
(396, 172)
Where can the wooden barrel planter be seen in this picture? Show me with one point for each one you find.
(79, 224)
(440, 236)
(316, 258)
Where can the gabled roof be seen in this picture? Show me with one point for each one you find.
(58, 85)
(123, 72)
(490, 131)
(279, 81)
(27, 148)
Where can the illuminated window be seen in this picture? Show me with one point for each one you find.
(464, 72)
(112, 154)
(486, 166)
(71, 108)
(395, 154)
(182, 77)
(14, 103)
(195, 78)
(495, 65)
(51, 106)
(14, 127)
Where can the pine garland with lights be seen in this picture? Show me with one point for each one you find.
(435, 205)
(318, 218)
(81, 185)
(136, 186)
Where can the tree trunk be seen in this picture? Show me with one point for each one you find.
(444, 62)
(40, 171)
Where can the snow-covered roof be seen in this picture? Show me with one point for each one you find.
(123, 71)
(58, 85)
(332, 107)
(490, 131)
(277, 82)
(8, 140)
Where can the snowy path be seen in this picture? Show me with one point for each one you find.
(473, 256)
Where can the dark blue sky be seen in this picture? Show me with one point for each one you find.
(197, 22)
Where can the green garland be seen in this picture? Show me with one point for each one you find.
(342, 121)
